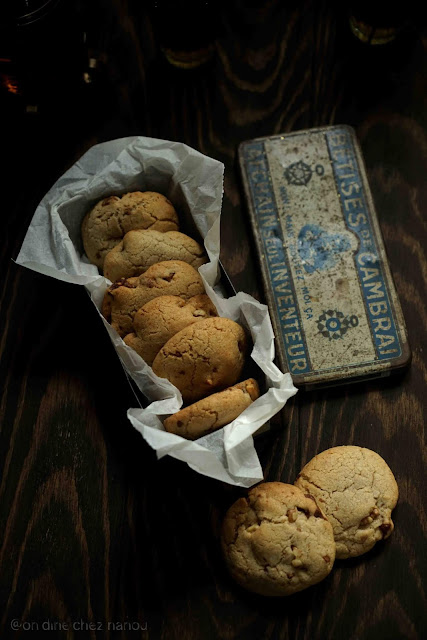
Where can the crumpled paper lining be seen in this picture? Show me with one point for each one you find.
(194, 183)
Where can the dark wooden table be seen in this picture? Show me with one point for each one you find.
(96, 531)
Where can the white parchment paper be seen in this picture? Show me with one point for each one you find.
(194, 183)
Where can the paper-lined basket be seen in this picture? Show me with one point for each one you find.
(194, 184)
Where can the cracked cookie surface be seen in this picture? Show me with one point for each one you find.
(213, 412)
(357, 491)
(140, 248)
(111, 218)
(124, 297)
(203, 358)
(276, 541)
(161, 318)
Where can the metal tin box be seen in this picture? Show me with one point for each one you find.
(333, 303)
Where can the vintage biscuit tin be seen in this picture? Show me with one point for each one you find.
(331, 296)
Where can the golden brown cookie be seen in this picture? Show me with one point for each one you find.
(141, 248)
(124, 297)
(213, 412)
(111, 218)
(357, 491)
(276, 541)
(205, 357)
(159, 319)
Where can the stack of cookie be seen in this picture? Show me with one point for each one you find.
(283, 538)
(158, 305)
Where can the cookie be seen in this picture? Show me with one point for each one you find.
(357, 492)
(161, 318)
(111, 218)
(203, 358)
(123, 298)
(276, 541)
(213, 412)
(141, 248)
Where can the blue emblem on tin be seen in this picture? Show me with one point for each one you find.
(318, 248)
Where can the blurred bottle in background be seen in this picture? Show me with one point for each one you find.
(378, 22)
(42, 53)
(185, 30)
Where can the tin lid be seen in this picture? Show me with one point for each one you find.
(333, 303)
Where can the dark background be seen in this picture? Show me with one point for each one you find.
(94, 527)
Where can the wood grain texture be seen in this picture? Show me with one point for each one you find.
(95, 529)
